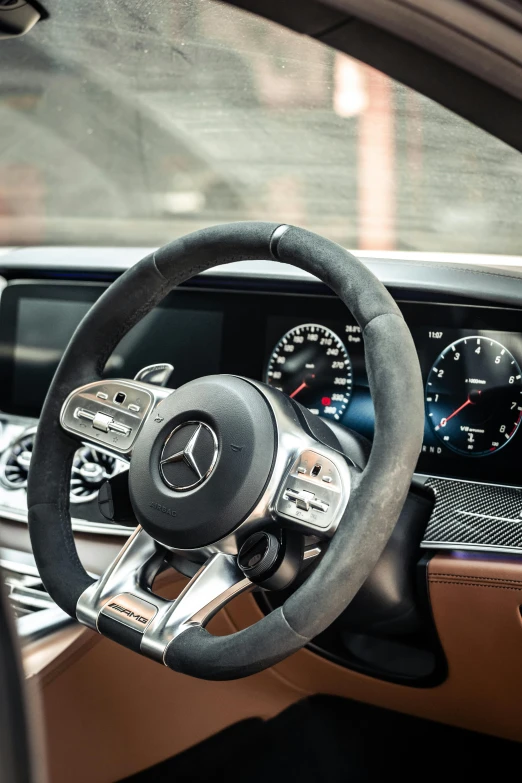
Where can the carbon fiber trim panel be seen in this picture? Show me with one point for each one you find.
(474, 516)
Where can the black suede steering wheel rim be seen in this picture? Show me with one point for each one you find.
(376, 499)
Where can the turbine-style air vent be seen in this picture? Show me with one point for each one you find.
(91, 467)
(15, 461)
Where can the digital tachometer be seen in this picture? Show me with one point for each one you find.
(474, 396)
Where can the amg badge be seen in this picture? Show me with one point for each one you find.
(130, 610)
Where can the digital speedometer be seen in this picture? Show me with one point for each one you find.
(474, 396)
(310, 363)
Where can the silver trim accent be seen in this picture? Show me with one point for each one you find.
(18, 562)
(36, 625)
(186, 455)
(458, 546)
(426, 476)
(78, 525)
(41, 616)
(136, 564)
(128, 582)
(483, 516)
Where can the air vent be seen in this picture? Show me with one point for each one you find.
(14, 463)
(91, 467)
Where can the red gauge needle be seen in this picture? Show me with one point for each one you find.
(299, 388)
(444, 421)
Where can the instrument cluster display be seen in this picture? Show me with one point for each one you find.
(472, 378)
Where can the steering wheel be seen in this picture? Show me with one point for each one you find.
(224, 469)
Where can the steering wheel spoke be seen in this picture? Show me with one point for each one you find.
(122, 605)
(110, 413)
(216, 583)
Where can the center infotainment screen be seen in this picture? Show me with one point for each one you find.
(41, 327)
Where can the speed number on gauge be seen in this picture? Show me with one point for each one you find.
(474, 396)
(310, 363)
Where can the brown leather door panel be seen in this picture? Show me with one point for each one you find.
(476, 605)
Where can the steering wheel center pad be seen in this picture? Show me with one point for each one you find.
(245, 448)
(376, 498)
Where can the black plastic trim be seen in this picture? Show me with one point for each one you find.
(440, 671)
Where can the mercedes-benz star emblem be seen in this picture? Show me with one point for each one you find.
(188, 456)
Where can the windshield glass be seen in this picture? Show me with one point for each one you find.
(130, 122)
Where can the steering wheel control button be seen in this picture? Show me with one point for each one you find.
(189, 456)
(97, 412)
(258, 555)
(304, 499)
(308, 499)
(101, 421)
(317, 505)
(130, 610)
(272, 561)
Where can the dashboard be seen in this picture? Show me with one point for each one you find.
(277, 324)
(306, 345)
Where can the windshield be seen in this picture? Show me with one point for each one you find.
(130, 122)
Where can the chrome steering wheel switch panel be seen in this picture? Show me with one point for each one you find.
(109, 412)
(313, 494)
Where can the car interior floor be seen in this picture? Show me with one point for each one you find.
(325, 738)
